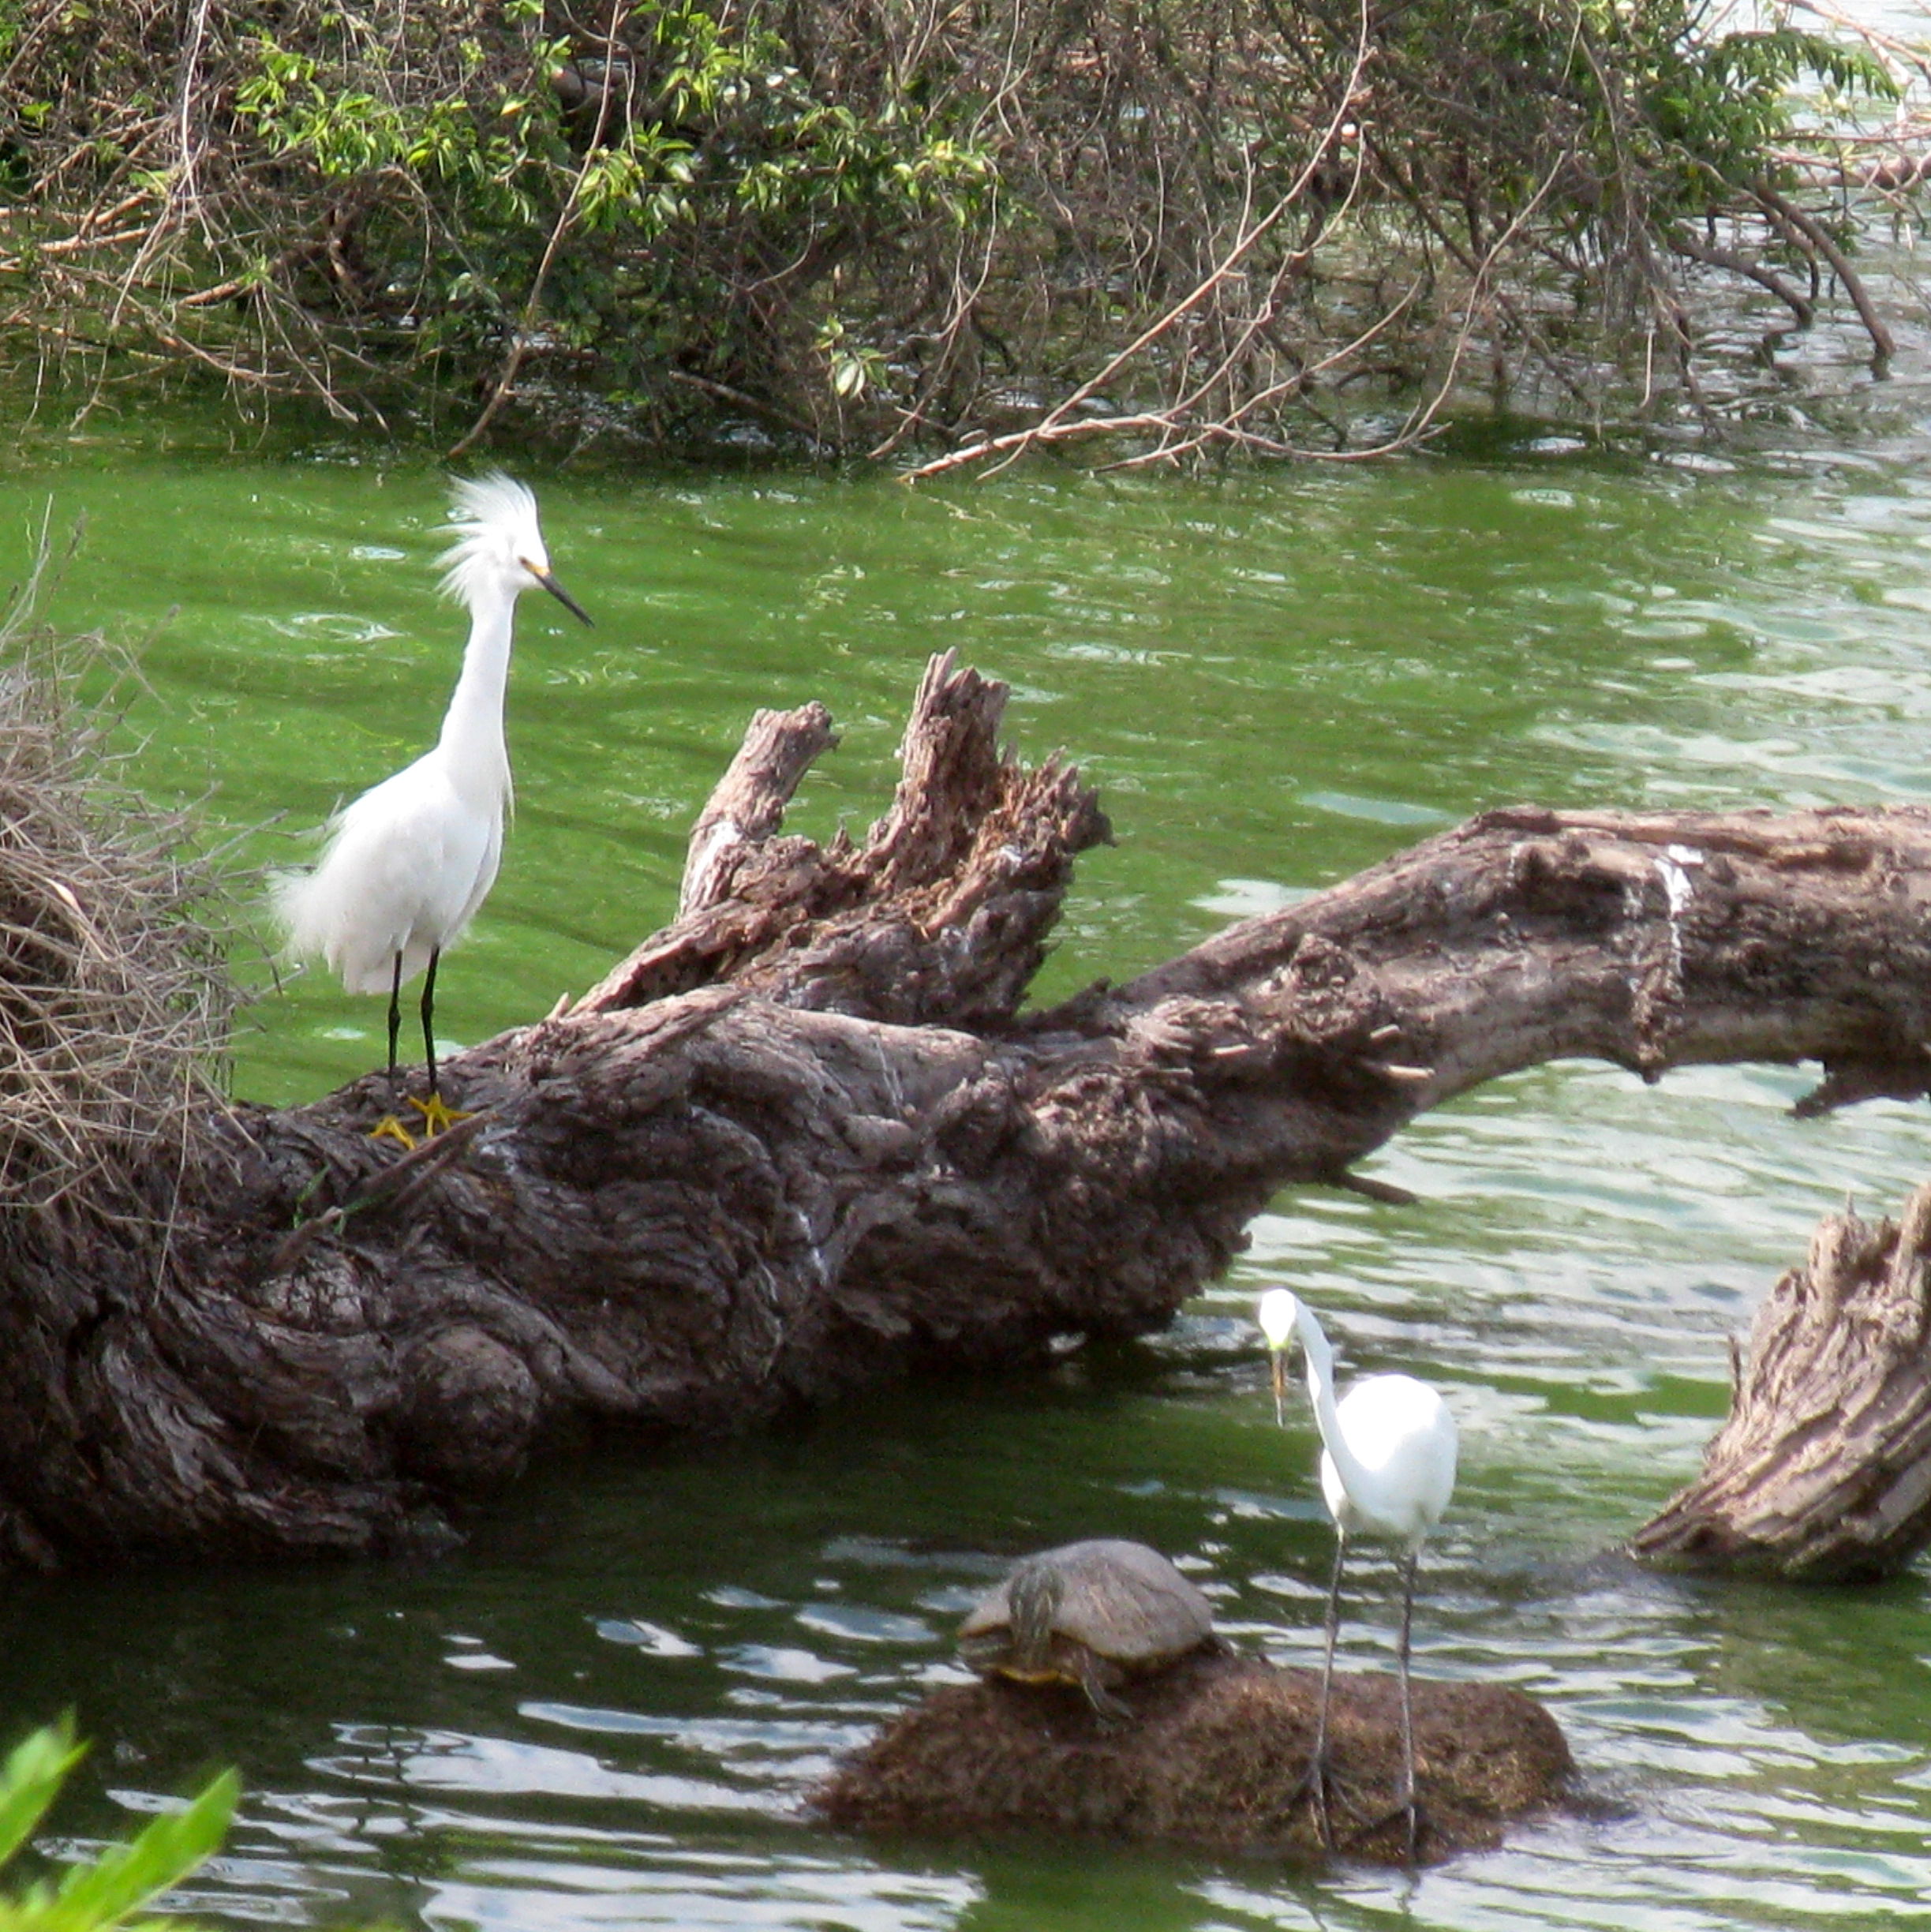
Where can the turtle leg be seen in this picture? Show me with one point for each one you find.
(1111, 1711)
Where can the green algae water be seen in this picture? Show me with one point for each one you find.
(604, 1711)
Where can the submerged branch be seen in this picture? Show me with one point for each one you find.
(1883, 344)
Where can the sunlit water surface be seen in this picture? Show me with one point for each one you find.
(605, 1711)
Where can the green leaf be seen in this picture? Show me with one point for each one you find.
(164, 1853)
(35, 1770)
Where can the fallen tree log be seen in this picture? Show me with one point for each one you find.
(806, 1138)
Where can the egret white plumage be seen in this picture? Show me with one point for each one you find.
(408, 863)
(1387, 1469)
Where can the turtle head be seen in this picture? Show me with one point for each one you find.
(1033, 1596)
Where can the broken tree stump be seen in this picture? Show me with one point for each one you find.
(1822, 1472)
(1213, 1757)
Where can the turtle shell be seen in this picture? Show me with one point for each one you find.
(1121, 1602)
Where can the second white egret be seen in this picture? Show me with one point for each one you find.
(1387, 1469)
(408, 863)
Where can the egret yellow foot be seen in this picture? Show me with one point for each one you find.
(389, 1128)
(437, 1115)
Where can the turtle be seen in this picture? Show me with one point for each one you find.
(1091, 1614)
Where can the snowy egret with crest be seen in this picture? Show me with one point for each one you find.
(408, 863)
(1387, 1469)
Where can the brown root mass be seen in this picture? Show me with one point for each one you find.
(1213, 1757)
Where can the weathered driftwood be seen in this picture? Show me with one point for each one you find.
(1214, 1755)
(1823, 1472)
(805, 1138)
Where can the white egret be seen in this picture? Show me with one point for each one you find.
(1387, 1469)
(408, 863)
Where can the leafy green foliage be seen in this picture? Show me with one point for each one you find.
(867, 219)
(1725, 107)
(687, 162)
(93, 1897)
(1649, 103)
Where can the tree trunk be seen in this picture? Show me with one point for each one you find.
(1823, 1472)
(804, 1138)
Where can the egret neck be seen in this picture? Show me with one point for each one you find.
(471, 746)
(1355, 1477)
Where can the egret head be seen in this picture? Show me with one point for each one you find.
(499, 548)
(1279, 1315)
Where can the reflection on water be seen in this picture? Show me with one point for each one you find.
(606, 1709)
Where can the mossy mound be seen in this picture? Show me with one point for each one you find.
(1213, 1757)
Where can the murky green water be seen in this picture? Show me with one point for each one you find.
(605, 1711)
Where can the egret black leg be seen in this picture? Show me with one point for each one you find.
(1405, 1799)
(436, 1115)
(428, 1015)
(395, 1013)
(389, 1128)
(1318, 1777)
(1407, 1804)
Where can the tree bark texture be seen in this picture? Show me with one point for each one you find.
(806, 1137)
(1822, 1472)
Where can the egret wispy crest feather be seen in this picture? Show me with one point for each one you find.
(493, 518)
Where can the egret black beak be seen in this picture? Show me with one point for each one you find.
(562, 595)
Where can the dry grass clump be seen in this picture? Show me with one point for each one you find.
(114, 997)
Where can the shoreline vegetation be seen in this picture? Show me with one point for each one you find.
(931, 236)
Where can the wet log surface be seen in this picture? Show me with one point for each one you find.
(806, 1137)
(1213, 1756)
